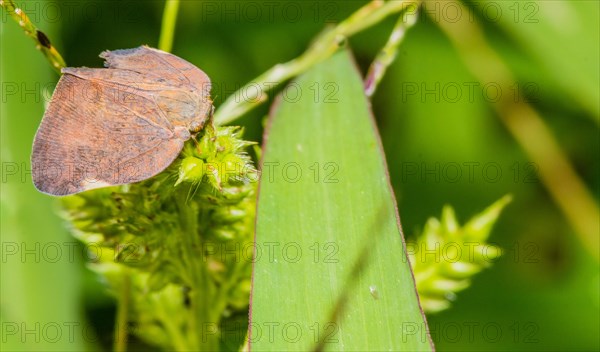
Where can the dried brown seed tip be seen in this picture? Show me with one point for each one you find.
(43, 39)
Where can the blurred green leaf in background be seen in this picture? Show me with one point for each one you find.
(42, 266)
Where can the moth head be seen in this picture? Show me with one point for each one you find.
(196, 125)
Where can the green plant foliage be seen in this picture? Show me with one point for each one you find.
(445, 256)
(173, 244)
(175, 250)
(30, 298)
(332, 272)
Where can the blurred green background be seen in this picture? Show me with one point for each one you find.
(542, 295)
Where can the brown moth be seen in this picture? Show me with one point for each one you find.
(120, 124)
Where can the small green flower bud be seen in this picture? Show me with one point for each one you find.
(224, 234)
(232, 165)
(225, 144)
(460, 253)
(191, 170)
(206, 147)
(214, 177)
(228, 215)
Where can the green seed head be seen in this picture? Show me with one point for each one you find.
(191, 170)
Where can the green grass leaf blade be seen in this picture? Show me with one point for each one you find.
(330, 270)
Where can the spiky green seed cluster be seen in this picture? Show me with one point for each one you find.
(446, 256)
(181, 240)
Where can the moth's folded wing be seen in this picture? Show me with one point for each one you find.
(177, 102)
(166, 68)
(89, 140)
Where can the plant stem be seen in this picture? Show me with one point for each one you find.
(387, 55)
(528, 128)
(167, 31)
(323, 47)
(41, 40)
(202, 293)
(223, 290)
(177, 339)
(122, 319)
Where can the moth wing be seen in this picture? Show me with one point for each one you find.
(89, 140)
(176, 106)
(168, 69)
(180, 89)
